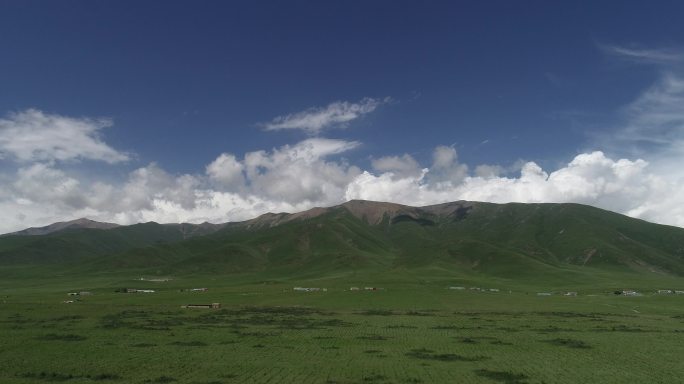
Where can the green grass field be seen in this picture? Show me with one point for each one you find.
(415, 330)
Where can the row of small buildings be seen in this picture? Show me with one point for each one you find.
(315, 289)
(477, 289)
(202, 306)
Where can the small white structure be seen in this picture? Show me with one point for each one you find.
(202, 306)
(156, 280)
(493, 289)
(457, 288)
(679, 292)
(72, 293)
(199, 289)
(313, 289)
(543, 293)
(630, 293)
(354, 289)
(475, 288)
(665, 292)
(570, 294)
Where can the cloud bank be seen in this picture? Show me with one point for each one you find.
(312, 173)
(35, 188)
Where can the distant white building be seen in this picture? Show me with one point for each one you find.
(312, 289)
(134, 290)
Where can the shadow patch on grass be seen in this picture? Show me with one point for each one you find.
(570, 343)
(446, 327)
(373, 378)
(427, 354)
(401, 326)
(161, 379)
(502, 376)
(373, 337)
(60, 377)
(419, 313)
(376, 312)
(65, 337)
(189, 343)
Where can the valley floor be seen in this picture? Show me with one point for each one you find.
(269, 333)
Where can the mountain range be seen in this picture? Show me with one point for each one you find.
(472, 238)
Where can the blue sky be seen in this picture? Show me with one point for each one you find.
(186, 111)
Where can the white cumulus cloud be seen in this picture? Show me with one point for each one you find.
(33, 135)
(399, 166)
(227, 171)
(625, 186)
(301, 172)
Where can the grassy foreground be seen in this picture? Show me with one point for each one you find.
(418, 332)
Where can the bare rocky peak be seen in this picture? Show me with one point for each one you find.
(81, 223)
(191, 230)
(373, 212)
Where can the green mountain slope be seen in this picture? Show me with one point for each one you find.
(76, 244)
(510, 241)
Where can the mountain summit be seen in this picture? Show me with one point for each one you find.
(64, 225)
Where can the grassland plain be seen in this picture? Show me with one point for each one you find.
(415, 330)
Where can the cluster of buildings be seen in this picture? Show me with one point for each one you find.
(629, 292)
(670, 292)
